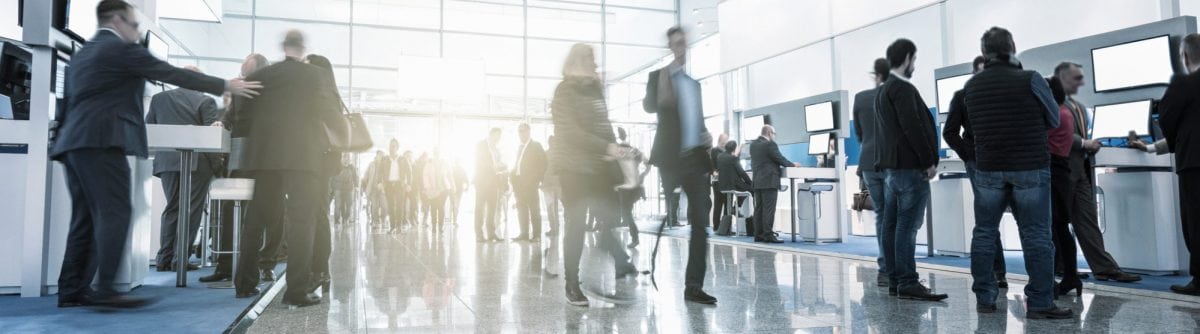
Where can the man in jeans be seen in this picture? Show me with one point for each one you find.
(1009, 111)
(864, 128)
(906, 151)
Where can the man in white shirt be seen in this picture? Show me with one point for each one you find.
(396, 180)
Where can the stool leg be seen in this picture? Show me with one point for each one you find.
(237, 238)
(204, 244)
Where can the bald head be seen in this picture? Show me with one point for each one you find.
(768, 132)
(253, 62)
(294, 44)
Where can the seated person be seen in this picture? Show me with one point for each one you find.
(731, 176)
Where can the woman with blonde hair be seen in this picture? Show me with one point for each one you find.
(584, 159)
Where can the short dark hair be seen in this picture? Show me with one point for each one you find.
(1191, 46)
(730, 146)
(1056, 88)
(674, 30)
(899, 51)
(1063, 67)
(978, 61)
(997, 41)
(293, 39)
(882, 69)
(108, 9)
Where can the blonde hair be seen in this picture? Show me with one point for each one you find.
(575, 65)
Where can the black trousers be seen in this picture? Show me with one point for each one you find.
(672, 202)
(696, 186)
(529, 210)
(99, 183)
(585, 194)
(764, 212)
(627, 198)
(276, 194)
(322, 236)
(1189, 208)
(397, 202)
(486, 201)
(224, 236)
(1085, 224)
(170, 216)
(718, 204)
(437, 212)
(1062, 193)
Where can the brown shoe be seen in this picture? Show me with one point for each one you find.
(1118, 276)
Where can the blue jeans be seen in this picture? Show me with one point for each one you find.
(875, 186)
(906, 194)
(997, 265)
(1029, 193)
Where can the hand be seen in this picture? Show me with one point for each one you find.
(796, 164)
(1139, 144)
(246, 89)
(1092, 146)
(930, 173)
(614, 151)
(218, 124)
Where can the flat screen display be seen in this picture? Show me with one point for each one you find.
(1116, 120)
(158, 47)
(946, 87)
(1133, 64)
(81, 17)
(818, 144)
(752, 126)
(942, 126)
(819, 117)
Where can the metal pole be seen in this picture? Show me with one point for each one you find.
(237, 236)
(205, 234)
(792, 194)
(181, 226)
(929, 226)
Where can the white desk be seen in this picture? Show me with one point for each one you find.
(810, 176)
(1139, 213)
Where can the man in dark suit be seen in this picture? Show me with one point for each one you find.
(680, 164)
(101, 124)
(526, 179)
(1179, 117)
(718, 198)
(398, 177)
(767, 163)
(285, 151)
(181, 106)
(732, 176)
(487, 186)
(871, 178)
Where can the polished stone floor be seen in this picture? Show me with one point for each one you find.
(419, 281)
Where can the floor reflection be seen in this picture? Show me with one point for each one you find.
(420, 281)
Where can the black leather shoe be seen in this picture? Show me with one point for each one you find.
(698, 296)
(1065, 287)
(247, 294)
(266, 275)
(120, 301)
(575, 295)
(1118, 276)
(892, 291)
(773, 241)
(757, 239)
(318, 280)
(64, 302)
(625, 270)
(989, 308)
(1052, 313)
(215, 277)
(920, 292)
(1001, 283)
(1189, 289)
(302, 301)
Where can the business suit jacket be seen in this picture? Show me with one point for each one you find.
(532, 167)
(487, 166)
(668, 140)
(1080, 160)
(405, 170)
(864, 127)
(905, 136)
(180, 106)
(731, 175)
(767, 163)
(104, 88)
(1179, 117)
(284, 125)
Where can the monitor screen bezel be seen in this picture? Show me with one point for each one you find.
(824, 143)
(833, 116)
(937, 83)
(1149, 114)
(1170, 55)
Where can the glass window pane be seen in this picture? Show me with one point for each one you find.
(329, 40)
(543, 88)
(625, 60)
(220, 69)
(324, 10)
(375, 79)
(577, 23)
(229, 39)
(501, 55)
(245, 7)
(642, 27)
(652, 4)
(546, 57)
(504, 86)
(383, 47)
(399, 13)
(486, 18)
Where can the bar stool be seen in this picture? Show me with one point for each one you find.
(731, 197)
(814, 191)
(238, 191)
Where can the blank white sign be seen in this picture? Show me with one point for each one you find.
(1140, 63)
(1116, 120)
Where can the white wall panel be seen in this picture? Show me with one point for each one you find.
(853, 14)
(8, 20)
(757, 29)
(856, 51)
(797, 74)
(1036, 23)
(1189, 7)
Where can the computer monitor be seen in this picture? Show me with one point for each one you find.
(1116, 120)
(942, 126)
(752, 127)
(81, 18)
(157, 46)
(819, 117)
(946, 87)
(818, 144)
(1134, 64)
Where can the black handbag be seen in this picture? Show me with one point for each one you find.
(862, 201)
(348, 133)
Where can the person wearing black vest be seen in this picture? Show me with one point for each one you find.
(872, 179)
(1009, 111)
(906, 152)
(1179, 117)
(958, 136)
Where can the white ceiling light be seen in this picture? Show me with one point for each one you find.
(196, 10)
